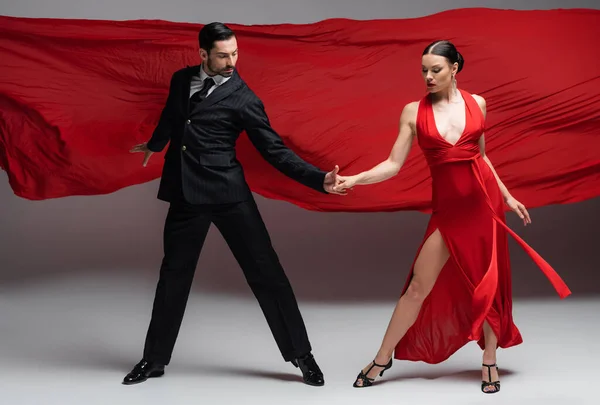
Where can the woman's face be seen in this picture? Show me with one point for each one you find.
(437, 72)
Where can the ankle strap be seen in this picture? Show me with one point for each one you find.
(381, 365)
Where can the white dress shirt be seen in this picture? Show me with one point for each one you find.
(198, 82)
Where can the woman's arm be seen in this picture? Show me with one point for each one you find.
(514, 205)
(505, 193)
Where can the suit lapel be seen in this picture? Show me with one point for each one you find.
(219, 93)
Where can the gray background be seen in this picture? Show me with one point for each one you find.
(328, 256)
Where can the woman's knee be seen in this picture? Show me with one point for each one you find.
(416, 291)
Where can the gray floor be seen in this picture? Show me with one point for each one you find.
(71, 340)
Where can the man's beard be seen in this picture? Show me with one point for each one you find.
(222, 72)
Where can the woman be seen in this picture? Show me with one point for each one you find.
(459, 288)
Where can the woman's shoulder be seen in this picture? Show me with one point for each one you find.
(410, 111)
(479, 99)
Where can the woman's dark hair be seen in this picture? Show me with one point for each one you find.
(447, 50)
(213, 32)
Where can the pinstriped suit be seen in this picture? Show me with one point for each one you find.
(204, 183)
(201, 159)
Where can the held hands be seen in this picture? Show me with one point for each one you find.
(344, 183)
(331, 181)
(142, 148)
(519, 209)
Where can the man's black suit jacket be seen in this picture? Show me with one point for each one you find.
(200, 163)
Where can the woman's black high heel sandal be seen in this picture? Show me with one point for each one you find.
(490, 384)
(366, 381)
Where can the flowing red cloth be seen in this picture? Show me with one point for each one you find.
(75, 95)
(467, 210)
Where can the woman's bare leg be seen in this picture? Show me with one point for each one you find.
(428, 265)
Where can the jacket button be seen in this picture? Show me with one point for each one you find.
(183, 147)
(188, 121)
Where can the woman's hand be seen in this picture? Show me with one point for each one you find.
(519, 209)
(344, 183)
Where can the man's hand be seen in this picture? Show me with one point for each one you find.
(142, 148)
(331, 181)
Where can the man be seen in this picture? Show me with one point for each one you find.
(207, 108)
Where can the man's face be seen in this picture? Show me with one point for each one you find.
(222, 57)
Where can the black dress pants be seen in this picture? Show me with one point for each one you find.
(242, 226)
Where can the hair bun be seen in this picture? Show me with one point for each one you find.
(460, 61)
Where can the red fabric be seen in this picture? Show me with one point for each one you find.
(75, 95)
(475, 283)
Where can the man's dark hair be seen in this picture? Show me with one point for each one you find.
(213, 32)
